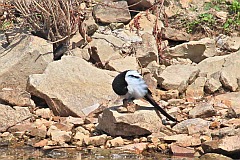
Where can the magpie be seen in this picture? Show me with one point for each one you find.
(131, 85)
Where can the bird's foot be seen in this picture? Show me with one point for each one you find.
(127, 107)
(127, 102)
(131, 107)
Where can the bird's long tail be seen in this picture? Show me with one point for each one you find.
(149, 98)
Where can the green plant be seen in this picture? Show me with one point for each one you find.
(234, 17)
(202, 19)
(235, 7)
(207, 6)
(191, 25)
(206, 17)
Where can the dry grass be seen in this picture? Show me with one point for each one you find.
(54, 20)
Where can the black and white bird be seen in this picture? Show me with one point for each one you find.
(131, 85)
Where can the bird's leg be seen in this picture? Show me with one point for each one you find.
(129, 105)
(127, 102)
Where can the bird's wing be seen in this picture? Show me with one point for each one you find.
(149, 98)
(137, 88)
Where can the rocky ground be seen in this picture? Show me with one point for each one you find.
(70, 103)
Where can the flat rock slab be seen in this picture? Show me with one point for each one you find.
(123, 64)
(10, 116)
(182, 151)
(178, 77)
(72, 84)
(192, 126)
(196, 51)
(112, 12)
(142, 122)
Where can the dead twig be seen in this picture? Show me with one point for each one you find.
(54, 20)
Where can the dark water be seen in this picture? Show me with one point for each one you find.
(30, 153)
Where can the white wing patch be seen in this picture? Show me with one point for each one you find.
(137, 88)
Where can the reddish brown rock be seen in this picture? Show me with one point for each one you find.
(21, 127)
(41, 143)
(140, 5)
(182, 151)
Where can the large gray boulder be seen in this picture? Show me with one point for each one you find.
(72, 84)
(24, 56)
(178, 77)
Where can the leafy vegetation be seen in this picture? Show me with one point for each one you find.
(234, 18)
(202, 19)
(208, 19)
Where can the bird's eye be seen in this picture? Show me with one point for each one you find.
(134, 76)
